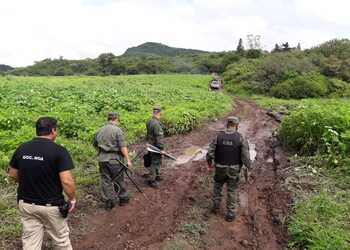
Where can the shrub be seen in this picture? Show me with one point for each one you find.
(304, 129)
(303, 86)
(321, 222)
(279, 67)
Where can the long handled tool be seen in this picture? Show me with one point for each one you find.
(127, 171)
(153, 149)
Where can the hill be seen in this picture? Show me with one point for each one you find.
(159, 49)
(4, 68)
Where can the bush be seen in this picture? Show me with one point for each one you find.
(321, 222)
(304, 86)
(305, 129)
(239, 74)
(279, 67)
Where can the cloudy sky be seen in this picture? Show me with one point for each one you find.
(32, 30)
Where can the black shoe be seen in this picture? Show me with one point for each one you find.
(230, 216)
(215, 209)
(158, 178)
(153, 184)
(109, 205)
(123, 201)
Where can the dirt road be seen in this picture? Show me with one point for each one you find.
(150, 225)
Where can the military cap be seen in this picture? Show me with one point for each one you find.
(233, 119)
(112, 115)
(157, 109)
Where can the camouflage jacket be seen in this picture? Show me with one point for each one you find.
(108, 141)
(155, 133)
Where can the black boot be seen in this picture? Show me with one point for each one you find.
(109, 204)
(153, 184)
(230, 216)
(123, 201)
(158, 178)
(215, 209)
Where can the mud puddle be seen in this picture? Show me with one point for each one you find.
(196, 153)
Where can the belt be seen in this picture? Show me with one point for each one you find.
(47, 204)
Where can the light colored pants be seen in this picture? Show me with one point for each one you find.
(37, 219)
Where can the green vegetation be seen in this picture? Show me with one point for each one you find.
(317, 72)
(321, 222)
(80, 104)
(148, 58)
(159, 49)
(318, 131)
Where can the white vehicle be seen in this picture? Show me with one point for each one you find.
(215, 84)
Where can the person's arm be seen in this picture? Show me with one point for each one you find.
(13, 173)
(125, 153)
(122, 145)
(245, 153)
(68, 185)
(13, 167)
(64, 166)
(159, 135)
(95, 142)
(211, 154)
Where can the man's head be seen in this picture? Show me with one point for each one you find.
(157, 112)
(232, 122)
(113, 117)
(47, 127)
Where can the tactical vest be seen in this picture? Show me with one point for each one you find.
(228, 149)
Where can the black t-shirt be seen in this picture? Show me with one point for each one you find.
(39, 163)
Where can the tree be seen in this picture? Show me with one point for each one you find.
(240, 47)
(285, 47)
(105, 61)
(299, 46)
(276, 49)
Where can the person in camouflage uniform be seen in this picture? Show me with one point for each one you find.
(155, 135)
(228, 152)
(110, 144)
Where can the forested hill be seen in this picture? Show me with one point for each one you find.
(158, 49)
(4, 68)
(252, 69)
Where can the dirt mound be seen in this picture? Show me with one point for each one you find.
(148, 224)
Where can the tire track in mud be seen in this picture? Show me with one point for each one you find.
(145, 225)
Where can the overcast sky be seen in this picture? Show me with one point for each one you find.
(32, 30)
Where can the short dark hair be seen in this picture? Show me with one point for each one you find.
(112, 116)
(44, 125)
(157, 110)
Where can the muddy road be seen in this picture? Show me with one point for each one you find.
(150, 224)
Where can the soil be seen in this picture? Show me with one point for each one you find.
(149, 223)
(152, 222)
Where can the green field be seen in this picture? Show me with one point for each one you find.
(80, 104)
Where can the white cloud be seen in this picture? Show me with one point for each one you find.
(38, 29)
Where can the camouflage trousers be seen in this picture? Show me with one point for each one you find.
(112, 189)
(154, 169)
(230, 176)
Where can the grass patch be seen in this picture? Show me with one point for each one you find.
(321, 221)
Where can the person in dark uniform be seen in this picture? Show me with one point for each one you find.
(227, 153)
(155, 134)
(43, 171)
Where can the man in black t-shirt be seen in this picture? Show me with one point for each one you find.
(42, 170)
